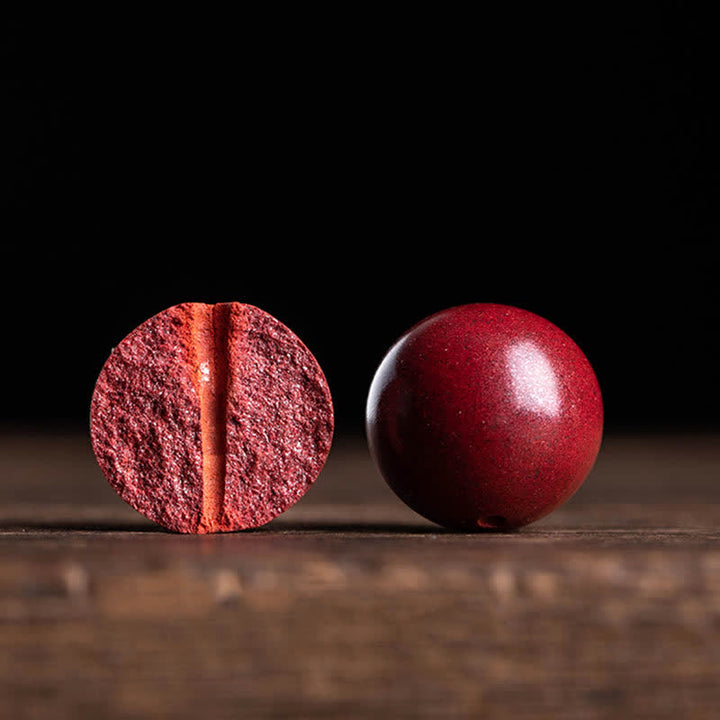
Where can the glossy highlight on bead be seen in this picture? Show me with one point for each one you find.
(484, 416)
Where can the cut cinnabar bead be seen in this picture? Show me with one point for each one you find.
(211, 418)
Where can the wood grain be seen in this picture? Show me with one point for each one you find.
(351, 606)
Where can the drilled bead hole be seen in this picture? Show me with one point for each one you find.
(493, 521)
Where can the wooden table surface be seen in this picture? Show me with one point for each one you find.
(351, 606)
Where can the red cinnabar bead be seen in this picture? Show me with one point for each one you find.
(211, 418)
(484, 416)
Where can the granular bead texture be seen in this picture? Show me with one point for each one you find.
(211, 418)
(484, 416)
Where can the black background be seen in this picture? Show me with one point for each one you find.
(353, 173)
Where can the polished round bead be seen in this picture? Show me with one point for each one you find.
(484, 416)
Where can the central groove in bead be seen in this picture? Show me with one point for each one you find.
(212, 328)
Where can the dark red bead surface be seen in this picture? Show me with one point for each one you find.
(484, 416)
